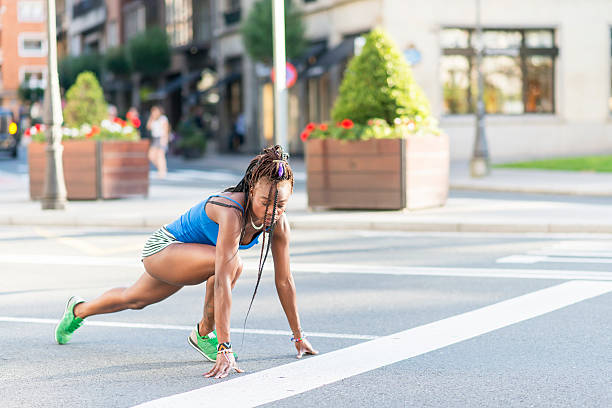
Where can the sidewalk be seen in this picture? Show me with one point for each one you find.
(191, 181)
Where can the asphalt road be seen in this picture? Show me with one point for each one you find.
(352, 287)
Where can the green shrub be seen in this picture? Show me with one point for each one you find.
(257, 32)
(85, 102)
(150, 52)
(378, 83)
(192, 140)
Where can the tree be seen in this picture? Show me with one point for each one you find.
(71, 66)
(150, 52)
(85, 102)
(257, 32)
(378, 83)
(117, 61)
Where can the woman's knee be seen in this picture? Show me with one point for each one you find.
(238, 272)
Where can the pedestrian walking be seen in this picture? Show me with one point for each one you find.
(202, 246)
(159, 126)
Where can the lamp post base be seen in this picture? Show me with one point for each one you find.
(479, 167)
(51, 204)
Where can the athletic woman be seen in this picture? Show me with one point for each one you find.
(202, 245)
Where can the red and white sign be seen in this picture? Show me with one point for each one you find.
(291, 73)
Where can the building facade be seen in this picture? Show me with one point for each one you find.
(547, 69)
(23, 49)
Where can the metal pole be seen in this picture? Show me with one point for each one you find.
(280, 83)
(479, 165)
(54, 195)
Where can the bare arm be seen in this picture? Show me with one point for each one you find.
(227, 263)
(285, 286)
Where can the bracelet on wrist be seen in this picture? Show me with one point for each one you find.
(225, 347)
(299, 338)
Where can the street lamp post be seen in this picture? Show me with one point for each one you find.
(54, 196)
(479, 164)
(280, 81)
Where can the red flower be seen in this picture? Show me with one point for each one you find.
(129, 115)
(90, 134)
(323, 126)
(310, 127)
(120, 122)
(347, 124)
(95, 130)
(38, 126)
(304, 136)
(27, 132)
(135, 122)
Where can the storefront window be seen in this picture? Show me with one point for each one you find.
(517, 67)
(178, 22)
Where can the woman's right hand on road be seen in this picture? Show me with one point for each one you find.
(224, 364)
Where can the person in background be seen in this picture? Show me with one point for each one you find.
(159, 127)
(112, 113)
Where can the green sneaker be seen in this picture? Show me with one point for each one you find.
(205, 345)
(69, 323)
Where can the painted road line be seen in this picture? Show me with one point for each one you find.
(295, 378)
(561, 252)
(531, 259)
(331, 268)
(132, 325)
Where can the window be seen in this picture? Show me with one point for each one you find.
(32, 45)
(178, 22)
(33, 76)
(134, 20)
(30, 11)
(517, 66)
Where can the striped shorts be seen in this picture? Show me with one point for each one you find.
(158, 241)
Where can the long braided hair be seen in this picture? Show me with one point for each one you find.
(271, 165)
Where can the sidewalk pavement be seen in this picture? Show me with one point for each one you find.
(464, 212)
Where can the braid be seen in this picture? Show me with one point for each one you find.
(271, 164)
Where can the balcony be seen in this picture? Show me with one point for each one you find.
(232, 17)
(85, 6)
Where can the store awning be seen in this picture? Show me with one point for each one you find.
(235, 76)
(332, 57)
(174, 85)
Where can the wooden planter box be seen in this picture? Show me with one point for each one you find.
(95, 169)
(389, 174)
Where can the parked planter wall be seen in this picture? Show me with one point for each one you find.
(95, 169)
(378, 173)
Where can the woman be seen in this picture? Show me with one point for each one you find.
(202, 245)
(159, 127)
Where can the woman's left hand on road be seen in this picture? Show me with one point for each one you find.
(304, 347)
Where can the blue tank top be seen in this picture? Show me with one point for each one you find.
(194, 226)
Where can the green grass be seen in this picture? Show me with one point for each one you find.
(587, 163)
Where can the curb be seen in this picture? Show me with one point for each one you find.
(304, 223)
(531, 190)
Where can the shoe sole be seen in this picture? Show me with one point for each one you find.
(195, 346)
(57, 326)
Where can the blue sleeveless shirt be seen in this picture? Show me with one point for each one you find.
(194, 226)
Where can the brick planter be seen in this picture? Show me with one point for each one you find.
(95, 169)
(389, 174)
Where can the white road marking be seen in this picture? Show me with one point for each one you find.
(295, 378)
(131, 325)
(561, 252)
(331, 268)
(531, 259)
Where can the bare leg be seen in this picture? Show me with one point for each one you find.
(153, 156)
(207, 324)
(161, 163)
(166, 272)
(146, 291)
